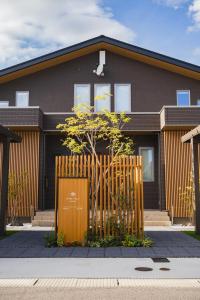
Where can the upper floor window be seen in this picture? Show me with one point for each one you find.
(183, 98)
(102, 97)
(147, 154)
(198, 102)
(122, 94)
(4, 103)
(82, 94)
(22, 98)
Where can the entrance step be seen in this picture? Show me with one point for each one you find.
(156, 218)
(44, 218)
(151, 218)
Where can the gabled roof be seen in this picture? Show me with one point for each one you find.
(94, 44)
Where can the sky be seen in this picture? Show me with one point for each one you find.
(35, 27)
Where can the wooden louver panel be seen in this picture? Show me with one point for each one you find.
(178, 173)
(24, 159)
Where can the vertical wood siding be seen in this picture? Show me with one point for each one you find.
(177, 157)
(24, 159)
(119, 196)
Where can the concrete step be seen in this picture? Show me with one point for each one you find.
(157, 223)
(44, 217)
(43, 223)
(45, 212)
(151, 218)
(146, 212)
(156, 218)
(155, 212)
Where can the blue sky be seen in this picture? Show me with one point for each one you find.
(159, 27)
(32, 28)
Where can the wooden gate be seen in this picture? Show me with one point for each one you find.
(73, 208)
(115, 191)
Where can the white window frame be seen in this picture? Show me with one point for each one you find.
(4, 101)
(153, 169)
(179, 91)
(115, 88)
(81, 84)
(16, 98)
(97, 84)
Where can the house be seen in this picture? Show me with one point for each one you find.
(160, 94)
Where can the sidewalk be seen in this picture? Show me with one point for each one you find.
(30, 244)
(187, 268)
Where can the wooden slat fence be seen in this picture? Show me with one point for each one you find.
(178, 173)
(116, 191)
(24, 159)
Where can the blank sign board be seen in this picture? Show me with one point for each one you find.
(73, 208)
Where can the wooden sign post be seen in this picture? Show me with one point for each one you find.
(73, 208)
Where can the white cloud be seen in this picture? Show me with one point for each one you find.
(194, 11)
(172, 3)
(32, 28)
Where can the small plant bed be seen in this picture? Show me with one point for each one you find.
(125, 241)
(193, 234)
(7, 234)
(98, 242)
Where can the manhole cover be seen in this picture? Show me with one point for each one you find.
(164, 269)
(143, 269)
(160, 259)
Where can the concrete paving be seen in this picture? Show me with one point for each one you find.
(187, 268)
(30, 244)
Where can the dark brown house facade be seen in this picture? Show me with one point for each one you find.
(160, 94)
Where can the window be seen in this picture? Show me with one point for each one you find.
(147, 154)
(102, 97)
(22, 99)
(122, 97)
(183, 98)
(82, 94)
(198, 102)
(4, 103)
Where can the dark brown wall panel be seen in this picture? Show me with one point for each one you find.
(28, 116)
(52, 89)
(54, 147)
(180, 116)
(24, 158)
(141, 121)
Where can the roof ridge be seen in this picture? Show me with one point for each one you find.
(96, 40)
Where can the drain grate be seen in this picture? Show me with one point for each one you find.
(143, 269)
(164, 269)
(160, 259)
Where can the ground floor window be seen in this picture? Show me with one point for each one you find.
(147, 154)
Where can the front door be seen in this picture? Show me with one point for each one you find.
(147, 146)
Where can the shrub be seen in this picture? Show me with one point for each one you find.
(94, 244)
(147, 242)
(60, 239)
(50, 240)
(113, 241)
(131, 241)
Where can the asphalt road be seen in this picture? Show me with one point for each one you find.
(99, 293)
